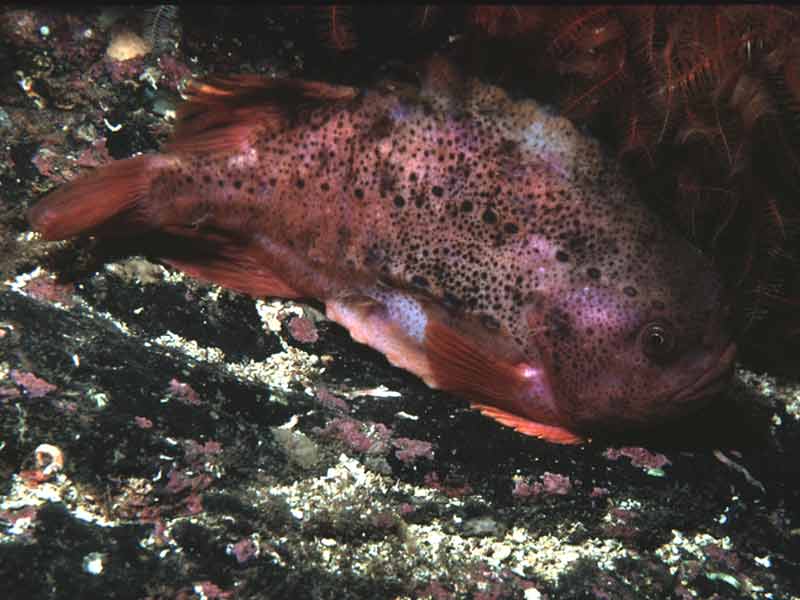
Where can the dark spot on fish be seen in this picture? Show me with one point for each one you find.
(510, 228)
(630, 291)
(413, 177)
(437, 191)
(558, 323)
(300, 184)
(576, 244)
(374, 255)
(489, 216)
(555, 362)
(508, 146)
(658, 305)
(452, 302)
(189, 179)
(419, 201)
(382, 127)
(420, 281)
(593, 273)
(220, 183)
(237, 184)
(359, 193)
(344, 235)
(466, 206)
(399, 201)
(273, 181)
(325, 187)
(490, 323)
(562, 256)
(206, 178)
(388, 182)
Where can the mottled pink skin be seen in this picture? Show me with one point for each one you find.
(552, 484)
(143, 422)
(640, 457)
(332, 401)
(368, 438)
(34, 386)
(184, 392)
(409, 450)
(244, 550)
(303, 330)
(452, 204)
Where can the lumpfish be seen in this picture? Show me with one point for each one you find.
(483, 243)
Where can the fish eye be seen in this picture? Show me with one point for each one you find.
(658, 341)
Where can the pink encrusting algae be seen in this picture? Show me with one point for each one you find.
(482, 243)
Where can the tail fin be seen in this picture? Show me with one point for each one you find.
(93, 201)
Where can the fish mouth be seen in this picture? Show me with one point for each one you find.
(714, 380)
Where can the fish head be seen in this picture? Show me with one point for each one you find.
(644, 345)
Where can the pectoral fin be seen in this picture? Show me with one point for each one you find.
(218, 258)
(417, 336)
(515, 394)
(550, 433)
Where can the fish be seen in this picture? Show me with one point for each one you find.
(484, 243)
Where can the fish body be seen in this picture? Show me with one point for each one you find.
(482, 243)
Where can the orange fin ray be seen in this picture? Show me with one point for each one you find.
(460, 365)
(240, 275)
(112, 193)
(243, 267)
(518, 394)
(549, 433)
(222, 113)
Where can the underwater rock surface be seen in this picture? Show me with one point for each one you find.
(168, 439)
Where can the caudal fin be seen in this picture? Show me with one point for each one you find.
(111, 193)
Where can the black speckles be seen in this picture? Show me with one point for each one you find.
(593, 273)
(510, 228)
(630, 291)
(490, 323)
(489, 217)
(420, 201)
(343, 234)
(466, 206)
(437, 191)
(359, 193)
(374, 256)
(558, 324)
(237, 184)
(412, 177)
(562, 256)
(382, 127)
(420, 282)
(399, 201)
(577, 243)
(507, 147)
(300, 183)
(387, 183)
(452, 302)
(325, 186)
